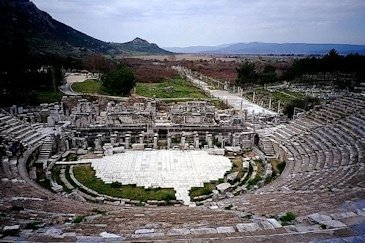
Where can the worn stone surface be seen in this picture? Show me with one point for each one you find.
(248, 227)
(182, 231)
(275, 223)
(144, 231)
(225, 230)
(199, 231)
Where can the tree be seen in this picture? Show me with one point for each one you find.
(119, 81)
(246, 73)
(268, 75)
(96, 63)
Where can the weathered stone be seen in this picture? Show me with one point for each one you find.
(275, 223)
(11, 230)
(223, 187)
(248, 227)
(200, 231)
(319, 218)
(306, 228)
(233, 176)
(144, 231)
(225, 230)
(182, 231)
(267, 225)
(109, 235)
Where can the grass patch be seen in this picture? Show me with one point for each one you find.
(86, 175)
(205, 190)
(277, 166)
(88, 86)
(48, 96)
(237, 166)
(173, 88)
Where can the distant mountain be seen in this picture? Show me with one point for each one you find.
(22, 21)
(258, 48)
(196, 49)
(139, 46)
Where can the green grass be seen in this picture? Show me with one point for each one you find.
(88, 86)
(48, 96)
(86, 175)
(205, 190)
(180, 88)
(287, 96)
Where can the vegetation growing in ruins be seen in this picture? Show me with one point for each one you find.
(43, 96)
(78, 219)
(287, 218)
(172, 88)
(86, 175)
(119, 81)
(90, 86)
(205, 190)
(288, 100)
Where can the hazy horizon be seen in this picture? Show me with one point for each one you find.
(215, 22)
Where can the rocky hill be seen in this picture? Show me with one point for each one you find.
(22, 22)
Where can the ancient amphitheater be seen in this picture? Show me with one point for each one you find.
(322, 183)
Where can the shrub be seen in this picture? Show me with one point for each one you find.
(289, 216)
(116, 184)
(78, 219)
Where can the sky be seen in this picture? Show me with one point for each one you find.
(181, 23)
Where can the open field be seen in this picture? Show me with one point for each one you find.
(174, 88)
(88, 86)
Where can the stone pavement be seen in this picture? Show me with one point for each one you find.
(176, 169)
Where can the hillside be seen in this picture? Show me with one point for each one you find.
(22, 22)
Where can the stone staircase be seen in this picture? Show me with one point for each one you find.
(45, 151)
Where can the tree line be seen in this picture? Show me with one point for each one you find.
(331, 63)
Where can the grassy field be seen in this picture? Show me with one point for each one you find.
(86, 175)
(88, 86)
(174, 88)
(48, 96)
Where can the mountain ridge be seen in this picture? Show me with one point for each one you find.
(262, 48)
(21, 20)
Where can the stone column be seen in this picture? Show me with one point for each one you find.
(183, 140)
(253, 97)
(168, 141)
(236, 140)
(270, 101)
(98, 142)
(210, 141)
(84, 143)
(127, 140)
(155, 139)
(141, 138)
(113, 139)
(196, 140)
(117, 136)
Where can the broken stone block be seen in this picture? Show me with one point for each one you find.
(248, 227)
(232, 177)
(223, 187)
(11, 230)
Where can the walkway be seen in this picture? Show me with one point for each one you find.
(233, 99)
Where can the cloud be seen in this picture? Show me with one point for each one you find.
(210, 22)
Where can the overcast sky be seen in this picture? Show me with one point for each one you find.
(211, 22)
